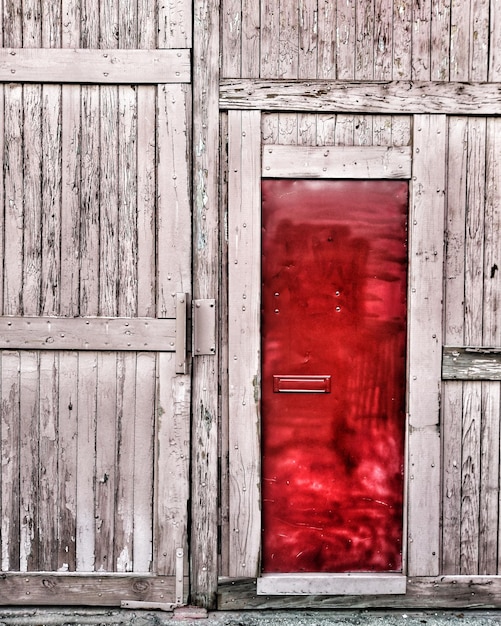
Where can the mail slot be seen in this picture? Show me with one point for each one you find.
(301, 384)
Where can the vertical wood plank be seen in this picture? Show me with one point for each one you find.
(460, 40)
(86, 462)
(172, 485)
(146, 200)
(174, 24)
(89, 29)
(231, 38)
(288, 61)
(223, 329)
(383, 39)
(89, 202)
(2, 198)
(421, 40)
(173, 266)
(147, 20)
(14, 199)
(402, 40)
(250, 38)
(105, 482)
(425, 344)
(143, 462)
(70, 201)
(109, 175)
(454, 335)
(51, 200)
(67, 461)
(205, 272)
(173, 195)
(270, 29)
(345, 39)
(127, 201)
(71, 19)
(326, 66)
(11, 419)
(495, 41)
(365, 42)
(479, 38)
(29, 459)
(48, 491)
(244, 228)
(440, 40)
(124, 467)
(32, 158)
(308, 44)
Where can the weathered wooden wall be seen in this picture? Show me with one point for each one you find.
(361, 39)
(284, 58)
(95, 221)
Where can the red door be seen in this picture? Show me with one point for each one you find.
(334, 268)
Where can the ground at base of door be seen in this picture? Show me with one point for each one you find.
(190, 616)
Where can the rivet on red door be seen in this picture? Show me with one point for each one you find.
(334, 268)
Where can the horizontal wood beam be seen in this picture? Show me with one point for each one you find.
(87, 333)
(450, 98)
(61, 65)
(285, 161)
(471, 363)
(441, 592)
(84, 589)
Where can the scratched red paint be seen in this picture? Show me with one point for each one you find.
(334, 304)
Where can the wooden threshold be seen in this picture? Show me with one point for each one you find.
(430, 592)
(471, 363)
(331, 584)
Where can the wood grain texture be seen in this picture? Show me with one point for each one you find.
(349, 162)
(205, 413)
(471, 363)
(443, 592)
(425, 341)
(351, 97)
(94, 66)
(244, 232)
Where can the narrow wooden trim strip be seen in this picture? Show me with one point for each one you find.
(87, 333)
(331, 584)
(284, 161)
(426, 250)
(244, 286)
(70, 588)
(454, 98)
(468, 363)
(54, 65)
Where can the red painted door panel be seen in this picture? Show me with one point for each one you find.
(334, 268)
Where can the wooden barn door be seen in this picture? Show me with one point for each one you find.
(95, 247)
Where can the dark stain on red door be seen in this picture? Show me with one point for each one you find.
(334, 273)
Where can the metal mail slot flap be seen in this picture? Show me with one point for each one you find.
(301, 384)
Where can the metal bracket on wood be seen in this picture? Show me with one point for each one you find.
(181, 325)
(204, 327)
(163, 606)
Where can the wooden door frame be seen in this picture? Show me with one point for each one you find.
(246, 166)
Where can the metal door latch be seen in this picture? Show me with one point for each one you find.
(204, 327)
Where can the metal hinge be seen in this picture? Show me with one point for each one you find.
(204, 327)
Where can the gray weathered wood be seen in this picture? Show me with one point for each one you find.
(244, 233)
(94, 66)
(470, 363)
(87, 333)
(442, 592)
(79, 589)
(460, 98)
(324, 584)
(426, 223)
(330, 162)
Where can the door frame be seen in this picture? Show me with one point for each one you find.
(247, 164)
